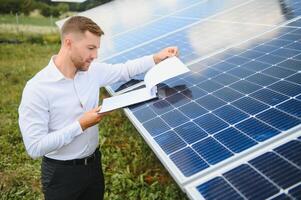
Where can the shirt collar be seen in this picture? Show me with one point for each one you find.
(53, 73)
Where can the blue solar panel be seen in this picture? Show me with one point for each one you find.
(243, 91)
(260, 178)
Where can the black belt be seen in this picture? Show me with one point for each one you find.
(81, 161)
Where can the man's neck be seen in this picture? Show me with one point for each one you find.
(64, 64)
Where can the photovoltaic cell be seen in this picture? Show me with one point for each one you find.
(245, 87)
(210, 123)
(161, 106)
(269, 97)
(262, 79)
(295, 192)
(170, 142)
(250, 183)
(292, 107)
(144, 114)
(230, 114)
(255, 66)
(227, 94)
(188, 161)
(156, 126)
(286, 88)
(257, 129)
(190, 132)
(212, 151)
(174, 118)
(250, 105)
(225, 79)
(296, 78)
(193, 110)
(278, 119)
(210, 102)
(278, 170)
(282, 197)
(210, 86)
(218, 189)
(240, 72)
(278, 72)
(234, 140)
(291, 151)
(291, 64)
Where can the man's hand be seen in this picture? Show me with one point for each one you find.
(90, 118)
(165, 53)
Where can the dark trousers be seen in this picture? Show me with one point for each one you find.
(74, 182)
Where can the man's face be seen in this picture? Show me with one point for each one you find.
(83, 50)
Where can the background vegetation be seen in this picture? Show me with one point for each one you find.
(132, 171)
(45, 7)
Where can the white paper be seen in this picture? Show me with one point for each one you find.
(166, 69)
(125, 99)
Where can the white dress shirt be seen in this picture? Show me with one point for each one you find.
(52, 104)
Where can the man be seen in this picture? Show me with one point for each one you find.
(58, 114)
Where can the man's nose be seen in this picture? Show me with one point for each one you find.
(94, 55)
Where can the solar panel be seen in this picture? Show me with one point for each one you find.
(230, 128)
(276, 174)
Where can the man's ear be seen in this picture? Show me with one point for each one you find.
(68, 42)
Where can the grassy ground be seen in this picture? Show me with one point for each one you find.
(131, 169)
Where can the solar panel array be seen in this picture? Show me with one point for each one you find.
(230, 128)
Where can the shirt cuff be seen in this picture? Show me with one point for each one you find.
(74, 129)
(150, 61)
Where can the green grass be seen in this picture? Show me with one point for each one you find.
(132, 171)
(28, 20)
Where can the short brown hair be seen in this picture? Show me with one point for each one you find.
(80, 24)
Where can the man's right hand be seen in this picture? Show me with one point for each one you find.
(90, 118)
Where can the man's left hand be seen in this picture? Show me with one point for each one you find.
(166, 53)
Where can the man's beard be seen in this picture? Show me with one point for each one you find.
(79, 64)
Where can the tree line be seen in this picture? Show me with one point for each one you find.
(46, 7)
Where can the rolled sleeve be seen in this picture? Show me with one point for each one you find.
(107, 74)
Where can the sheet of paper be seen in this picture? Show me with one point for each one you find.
(166, 69)
(126, 99)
